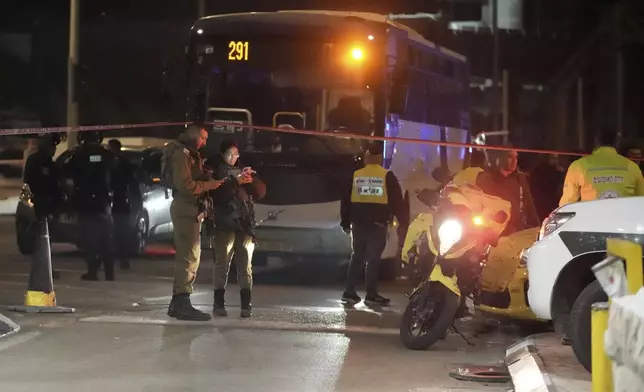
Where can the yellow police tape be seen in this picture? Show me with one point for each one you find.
(39, 298)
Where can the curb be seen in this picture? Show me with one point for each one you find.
(7, 327)
(526, 367)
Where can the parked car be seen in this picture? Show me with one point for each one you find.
(150, 220)
(562, 286)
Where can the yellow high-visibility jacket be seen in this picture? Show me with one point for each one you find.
(604, 174)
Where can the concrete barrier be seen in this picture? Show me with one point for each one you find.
(7, 327)
(624, 342)
(526, 367)
(540, 363)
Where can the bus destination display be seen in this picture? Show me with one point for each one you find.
(238, 51)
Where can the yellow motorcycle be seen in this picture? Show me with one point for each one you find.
(448, 246)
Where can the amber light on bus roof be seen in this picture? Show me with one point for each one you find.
(357, 53)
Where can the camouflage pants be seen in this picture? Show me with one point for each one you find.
(239, 245)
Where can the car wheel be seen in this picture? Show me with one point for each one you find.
(25, 236)
(579, 321)
(140, 238)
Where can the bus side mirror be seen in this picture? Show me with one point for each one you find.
(398, 92)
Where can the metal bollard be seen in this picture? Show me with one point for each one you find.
(634, 268)
(631, 252)
(602, 377)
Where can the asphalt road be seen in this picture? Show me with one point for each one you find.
(300, 339)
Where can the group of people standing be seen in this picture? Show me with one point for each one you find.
(104, 195)
(211, 189)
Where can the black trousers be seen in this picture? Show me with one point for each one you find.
(123, 235)
(96, 236)
(368, 243)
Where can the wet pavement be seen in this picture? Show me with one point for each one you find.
(300, 339)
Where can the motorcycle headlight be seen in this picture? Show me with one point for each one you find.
(449, 233)
(553, 222)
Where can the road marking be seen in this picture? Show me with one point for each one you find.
(18, 339)
(361, 308)
(243, 324)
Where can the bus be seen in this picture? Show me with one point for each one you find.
(330, 71)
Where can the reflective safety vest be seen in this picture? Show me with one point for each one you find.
(370, 185)
(467, 176)
(604, 174)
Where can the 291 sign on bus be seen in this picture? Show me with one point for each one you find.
(238, 51)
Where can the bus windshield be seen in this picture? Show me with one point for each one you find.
(288, 82)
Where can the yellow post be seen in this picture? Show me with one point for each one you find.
(632, 253)
(602, 377)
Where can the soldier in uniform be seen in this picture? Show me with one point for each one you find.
(367, 209)
(182, 171)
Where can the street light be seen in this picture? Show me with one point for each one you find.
(72, 63)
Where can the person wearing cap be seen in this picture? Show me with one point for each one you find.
(604, 174)
(127, 198)
(45, 180)
(367, 209)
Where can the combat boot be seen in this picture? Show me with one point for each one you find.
(181, 308)
(246, 307)
(219, 307)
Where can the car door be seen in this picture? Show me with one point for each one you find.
(155, 202)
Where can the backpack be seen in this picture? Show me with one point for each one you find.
(166, 167)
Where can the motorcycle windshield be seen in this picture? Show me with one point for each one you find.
(471, 198)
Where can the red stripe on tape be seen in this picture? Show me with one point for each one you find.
(44, 130)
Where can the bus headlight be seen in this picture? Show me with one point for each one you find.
(449, 233)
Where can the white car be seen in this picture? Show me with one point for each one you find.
(572, 239)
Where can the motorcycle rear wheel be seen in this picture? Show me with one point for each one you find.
(445, 303)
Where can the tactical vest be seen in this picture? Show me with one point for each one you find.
(370, 185)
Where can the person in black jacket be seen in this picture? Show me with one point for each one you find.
(546, 183)
(234, 225)
(91, 167)
(510, 184)
(45, 180)
(127, 199)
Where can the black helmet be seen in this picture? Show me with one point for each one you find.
(49, 140)
(89, 137)
(56, 138)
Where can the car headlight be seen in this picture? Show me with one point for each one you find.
(553, 222)
(449, 233)
(523, 258)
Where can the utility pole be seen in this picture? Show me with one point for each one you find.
(72, 64)
(201, 8)
(506, 104)
(581, 138)
(619, 68)
(495, 67)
